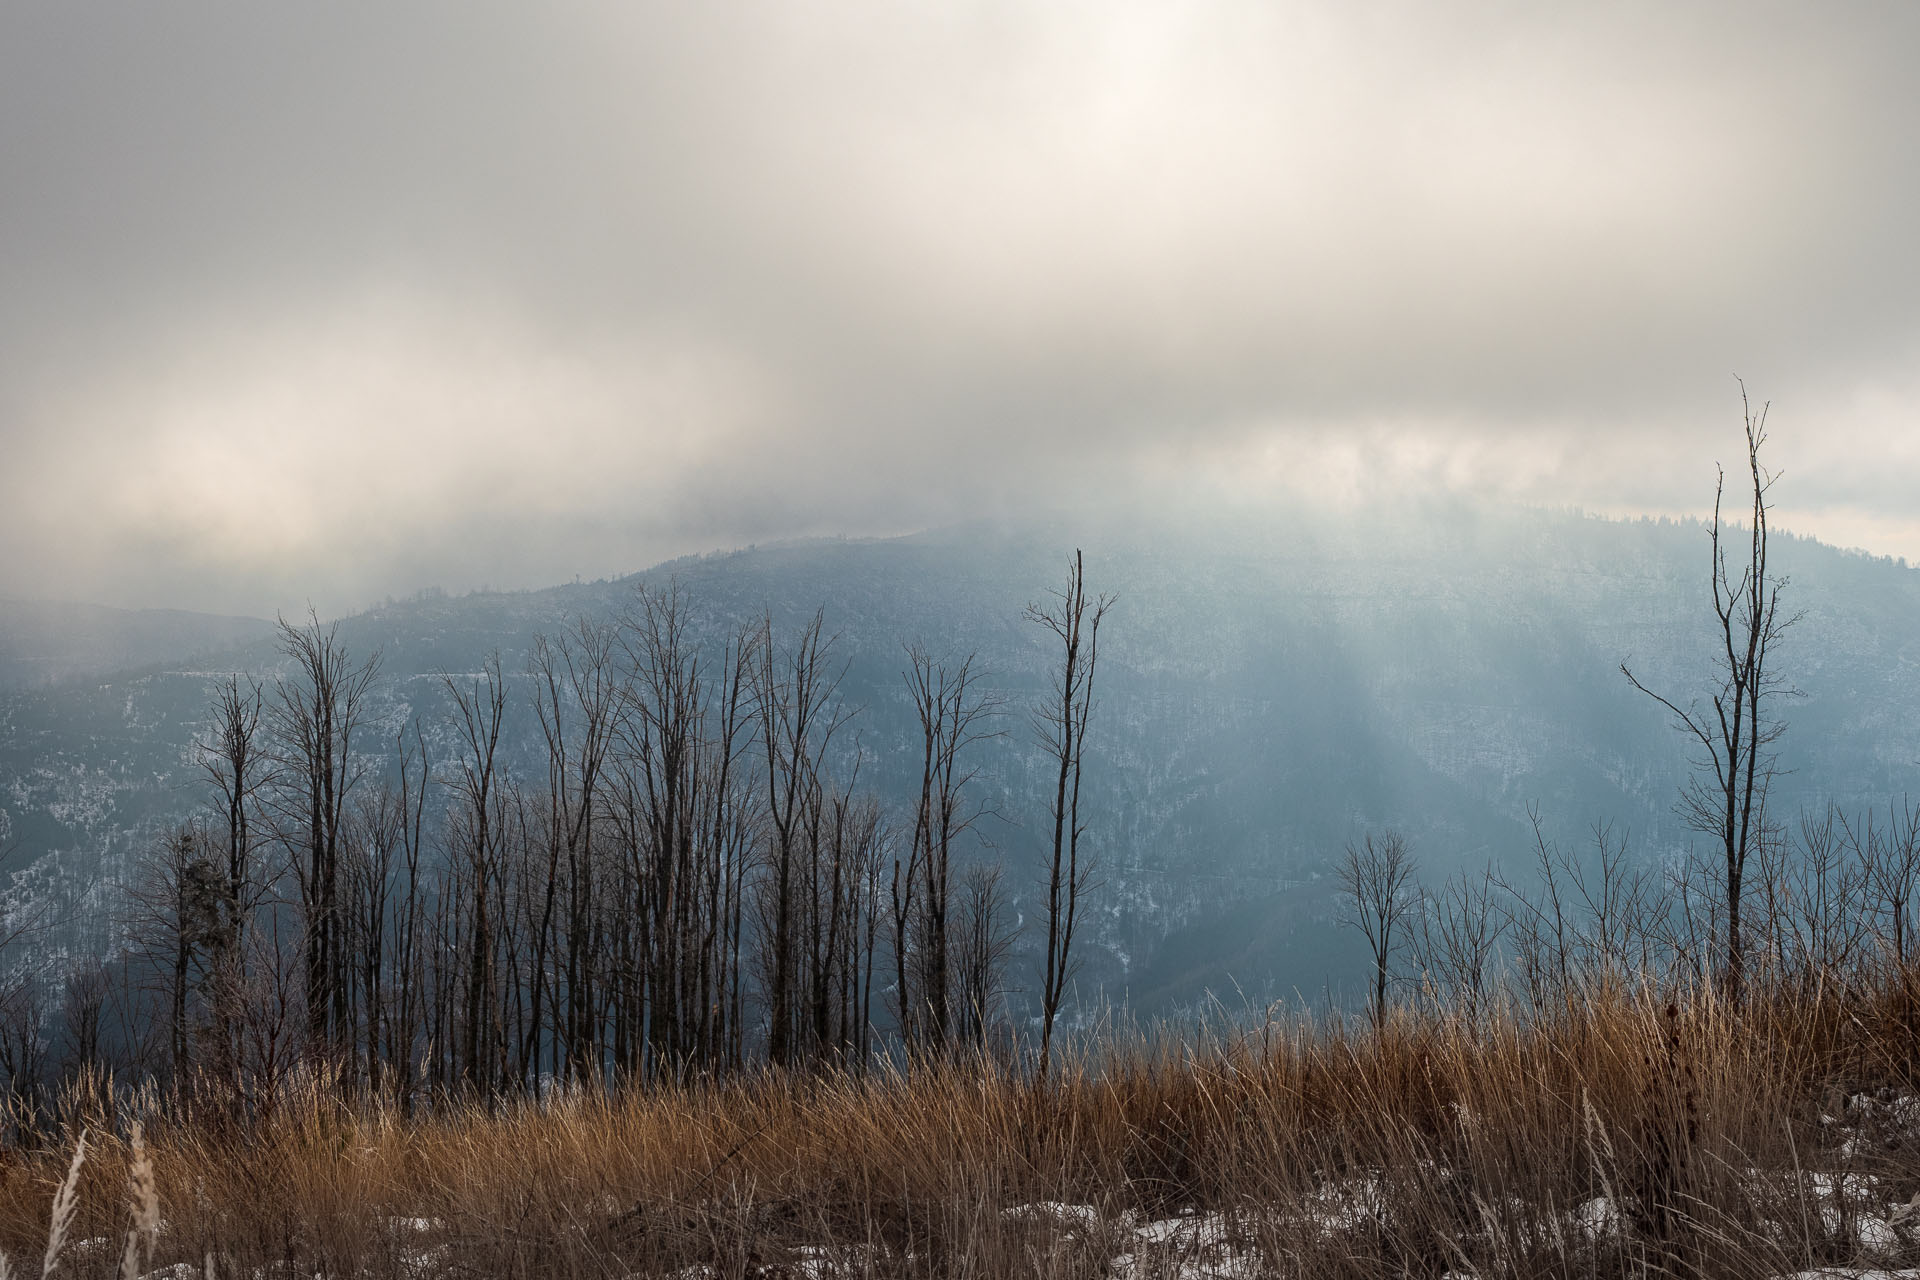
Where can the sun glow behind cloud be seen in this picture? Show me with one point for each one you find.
(337, 306)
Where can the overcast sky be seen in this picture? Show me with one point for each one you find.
(330, 301)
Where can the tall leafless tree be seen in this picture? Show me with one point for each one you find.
(1726, 798)
(685, 824)
(409, 920)
(316, 713)
(1074, 621)
(577, 701)
(235, 761)
(478, 836)
(798, 715)
(954, 713)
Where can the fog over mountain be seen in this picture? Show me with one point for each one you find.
(47, 642)
(334, 304)
(1271, 687)
(308, 310)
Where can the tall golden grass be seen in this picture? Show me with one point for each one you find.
(1430, 1145)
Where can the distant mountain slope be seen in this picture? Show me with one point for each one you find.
(1269, 688)
(44, 642)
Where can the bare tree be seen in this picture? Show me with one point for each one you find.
(1376, 877)
(177, 927)
(576, 699)
(270, 1031)
(953, 714)
(683, 829)
(1061, 723)
(1598, 915)
(403, 1028)
(381, 874)
(314, 719)
(82, 1011)
(1460, 933)
(732, 822)
(1539, 926)
(843, 845)
(236, 763)
(1726, 798)
(1890, 860)
(24, 1051)
(1820, 893)
(980, 947)
(478, 835)
(794, 700)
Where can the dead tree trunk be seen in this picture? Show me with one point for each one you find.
(1726, 796)
(1074, 621)
(480, 709)
(793, 696)
(953, 714)
(314, 720)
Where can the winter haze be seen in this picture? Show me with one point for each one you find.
(327, 303)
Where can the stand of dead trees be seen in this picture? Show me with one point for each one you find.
(649, 854)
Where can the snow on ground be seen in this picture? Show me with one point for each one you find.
(1199, 1247)
(1065, 1217)
(1597, 1219)
(1346, 1205)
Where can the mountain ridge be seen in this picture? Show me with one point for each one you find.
(1270, 688)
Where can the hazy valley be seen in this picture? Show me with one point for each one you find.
(1271, 689)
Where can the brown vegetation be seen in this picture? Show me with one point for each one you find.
(1699, 1129)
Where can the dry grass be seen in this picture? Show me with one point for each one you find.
(1432, 1146)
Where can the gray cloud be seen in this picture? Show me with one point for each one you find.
(342, 301)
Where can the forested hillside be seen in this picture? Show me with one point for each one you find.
(1270, 688)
